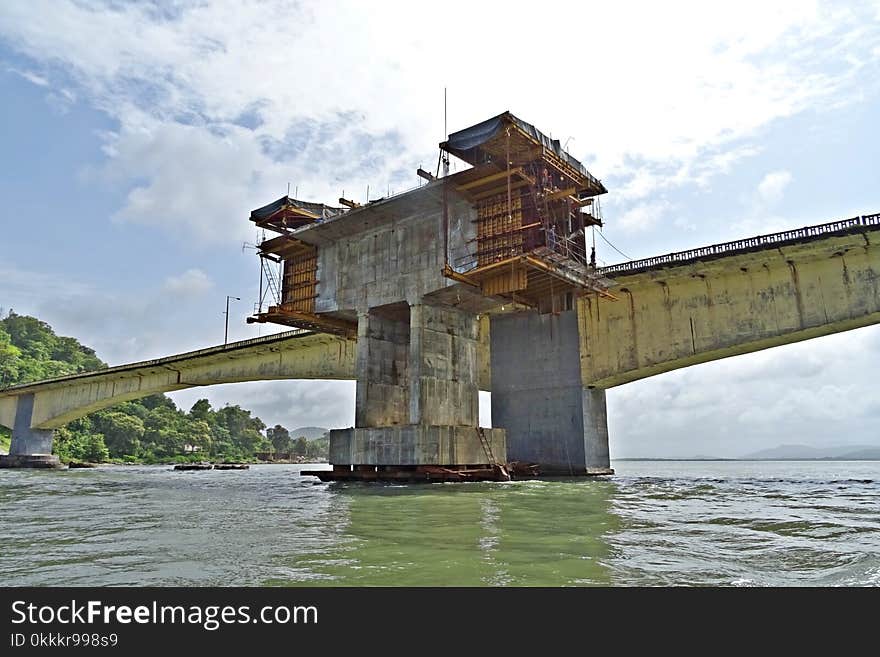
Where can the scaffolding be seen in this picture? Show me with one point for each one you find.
(294, 289)
(533, 204)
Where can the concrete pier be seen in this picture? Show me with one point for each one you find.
(539, 399)
(30, 448)
(417, 401)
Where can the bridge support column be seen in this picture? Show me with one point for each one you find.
(30, 448)
(417, 400)
(539, 399)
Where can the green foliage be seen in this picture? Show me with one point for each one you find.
(77, 446)
(122, 433)
(10, 358)
(279, 437)
(5, 439)
(300, 446)
(147, 430)
(318, 449)
(201, 410)
(30, 351)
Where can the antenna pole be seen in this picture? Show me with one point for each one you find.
(445, 133)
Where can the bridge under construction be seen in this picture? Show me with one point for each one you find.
(486, 279)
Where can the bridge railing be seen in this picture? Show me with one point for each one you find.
(740, 245)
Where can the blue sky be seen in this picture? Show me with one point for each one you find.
(137, 138)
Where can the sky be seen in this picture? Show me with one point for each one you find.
(136, 138)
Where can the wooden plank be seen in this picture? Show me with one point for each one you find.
(526, 180)
(562, 193)
(449, 272)
(512, 280)
(488, 179)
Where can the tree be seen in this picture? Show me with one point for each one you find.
(244, 430)
(319, 448)
(41, 353)
(279, 437)
(157, 401)
(93, 448)
(122, 433)
(198, 435)
(300, 446)
(9, 359)
(163, 432)
(73, 445)
(201, 410)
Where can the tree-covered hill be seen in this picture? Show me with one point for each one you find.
(30, 351)
(151, 429)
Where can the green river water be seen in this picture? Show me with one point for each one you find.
(653, 523)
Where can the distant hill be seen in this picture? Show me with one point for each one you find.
(804, 452)
(311, 433)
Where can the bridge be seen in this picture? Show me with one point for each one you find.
(681, 309)
(507, 300)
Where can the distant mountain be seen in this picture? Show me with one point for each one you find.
(698, 457)
(798, 452)
(311, 433)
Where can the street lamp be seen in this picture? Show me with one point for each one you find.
(226, 334)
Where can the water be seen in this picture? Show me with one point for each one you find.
(654, 523)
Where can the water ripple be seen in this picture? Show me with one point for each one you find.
(679, 524)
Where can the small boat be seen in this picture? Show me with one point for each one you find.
(193, 466)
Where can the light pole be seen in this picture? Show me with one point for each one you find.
(226, 333)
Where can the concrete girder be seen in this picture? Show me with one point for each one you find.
(672, 317)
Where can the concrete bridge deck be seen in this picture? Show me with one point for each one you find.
(288, 355)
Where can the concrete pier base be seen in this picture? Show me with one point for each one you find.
(416, 444)
(30, 461)
(551, 420)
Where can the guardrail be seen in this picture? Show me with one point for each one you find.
(744, 244)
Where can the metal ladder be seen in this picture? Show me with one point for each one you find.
(487, 446)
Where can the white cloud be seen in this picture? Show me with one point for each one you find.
(20, 284)
(772, 186)
(192, 282)
(165, 317)
(30, 76)
(808, 393)
(643, 216)
(212, 111)
(328, 404)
